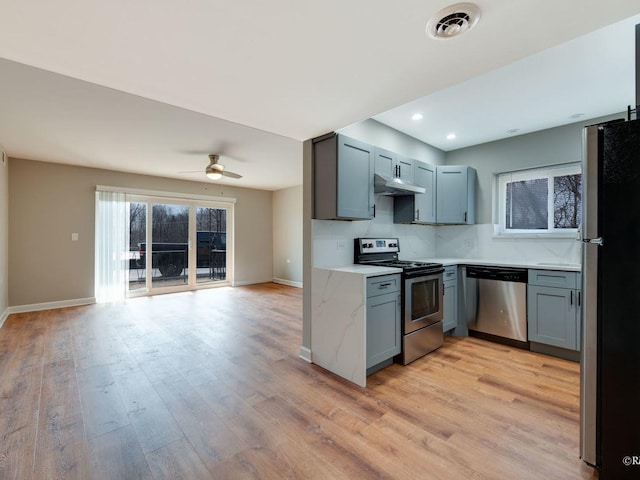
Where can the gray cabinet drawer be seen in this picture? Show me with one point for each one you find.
(383, 284)
(450, 273)
(554, 278)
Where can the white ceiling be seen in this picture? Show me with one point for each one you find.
(587, 77)
(252, 79)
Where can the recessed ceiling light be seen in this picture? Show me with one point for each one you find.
(417, 116)
(512, 131)
(576, 115)
(451, 136)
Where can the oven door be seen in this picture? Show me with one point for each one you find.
(423, 298)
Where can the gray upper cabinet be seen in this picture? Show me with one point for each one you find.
(419, 208)
(385, 162)
(392, 165)
(343, 178)
(455, 194)
(405, 169)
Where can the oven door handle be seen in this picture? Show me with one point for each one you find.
(430, 273)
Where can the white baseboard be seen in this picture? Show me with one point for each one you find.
(34, 307)
(305, 354)
(282, 281)
(242, 283)
(3, 317)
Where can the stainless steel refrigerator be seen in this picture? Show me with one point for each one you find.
(610, 363)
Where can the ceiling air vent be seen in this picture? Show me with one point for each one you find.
(453, 21)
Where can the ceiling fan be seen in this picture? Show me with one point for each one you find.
(215, 170)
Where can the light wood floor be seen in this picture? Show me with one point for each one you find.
(209, 385)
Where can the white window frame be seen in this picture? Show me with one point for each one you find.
(502, 179)
(192, 204)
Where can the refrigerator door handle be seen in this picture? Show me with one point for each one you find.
(598, 241)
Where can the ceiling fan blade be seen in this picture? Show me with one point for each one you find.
(229, 174)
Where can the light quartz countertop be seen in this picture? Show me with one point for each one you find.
(373, 271)
(566, 267)
(365, 270)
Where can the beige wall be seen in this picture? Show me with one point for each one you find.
(287, 235)
(4, 238)
(48, 202)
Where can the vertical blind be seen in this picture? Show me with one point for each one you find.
(111, 277)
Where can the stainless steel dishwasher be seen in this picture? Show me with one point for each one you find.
(496, 304)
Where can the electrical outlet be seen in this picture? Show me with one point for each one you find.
(468, 244)
(341, 244)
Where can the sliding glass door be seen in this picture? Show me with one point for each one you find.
(211, 254)
(169, 248)
(177, 245)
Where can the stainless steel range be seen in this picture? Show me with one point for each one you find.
(422, 291)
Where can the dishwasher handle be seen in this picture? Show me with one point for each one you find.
(503, 274)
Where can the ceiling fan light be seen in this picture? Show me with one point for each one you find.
(214, 171)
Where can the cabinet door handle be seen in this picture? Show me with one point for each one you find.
(571, 297)
(418, 214)
(399, 170)
(465, 217)
(579, 298)
(374, 210)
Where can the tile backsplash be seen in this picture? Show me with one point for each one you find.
(478, 242)
(333, 241)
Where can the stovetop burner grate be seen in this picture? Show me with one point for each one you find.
(384, 253)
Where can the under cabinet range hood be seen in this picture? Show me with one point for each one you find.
(394, 186)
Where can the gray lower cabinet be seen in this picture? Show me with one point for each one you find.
(384, 304)
(450, 298)
(419, 208)
(343, 178)
(455, 194)
(553, 308)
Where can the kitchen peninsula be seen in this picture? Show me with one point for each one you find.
(340, 301)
